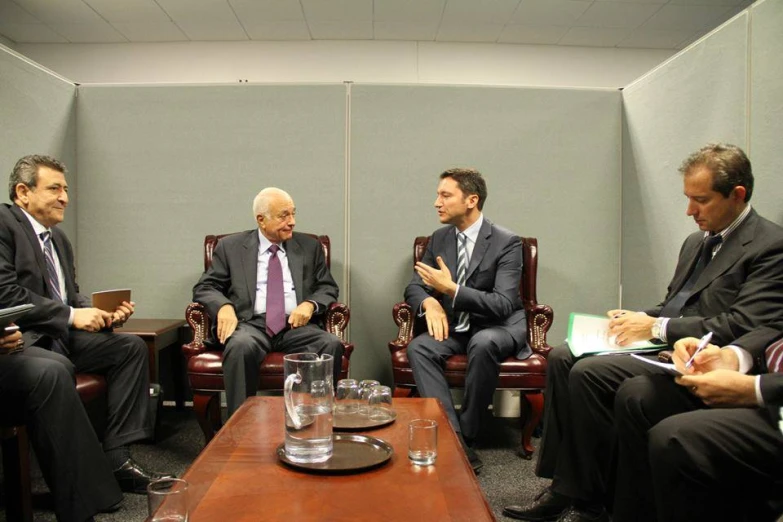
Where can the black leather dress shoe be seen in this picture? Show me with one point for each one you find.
(132, 478)
(576, 515)
(546, 507)
(473, 458)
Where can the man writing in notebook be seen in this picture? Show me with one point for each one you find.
(37, 266)
(728, 281)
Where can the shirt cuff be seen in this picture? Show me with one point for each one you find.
(70, 317)
(664, 322)
(759, 398)
(456, 292)
(315, 312)
(745, 358)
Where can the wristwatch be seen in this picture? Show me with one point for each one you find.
(656, 328)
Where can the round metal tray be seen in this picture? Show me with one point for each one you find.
(356, 422)
(352, 453)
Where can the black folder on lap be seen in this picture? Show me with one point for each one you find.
(9, 315)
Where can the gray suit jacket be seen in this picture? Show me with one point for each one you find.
(741, 288)
(24, 279)
(232, 277)
(491, 290)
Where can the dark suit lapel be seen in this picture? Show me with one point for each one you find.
(731, 251)
(34, 243)
(682, 275)
(450, 253)
(250, 266)
(296, 264)
(481, 247)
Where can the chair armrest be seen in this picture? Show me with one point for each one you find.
(198, 319)
(539, 321)
(336, 320)
(403, 318)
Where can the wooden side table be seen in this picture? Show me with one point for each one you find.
(158, 334)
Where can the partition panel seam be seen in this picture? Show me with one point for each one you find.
(346, 203)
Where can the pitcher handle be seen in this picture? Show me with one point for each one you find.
(288, 386)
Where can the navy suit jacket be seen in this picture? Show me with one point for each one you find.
(491, 290)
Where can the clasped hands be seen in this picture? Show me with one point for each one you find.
(713, 376)
(95, 319)
(227, 319)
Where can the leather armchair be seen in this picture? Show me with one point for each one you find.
(204, 354)
(527, 376)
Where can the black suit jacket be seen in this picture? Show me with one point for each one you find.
(756, 342)
(491, 290)
(24, 279)
(233, 276)
(739, 290)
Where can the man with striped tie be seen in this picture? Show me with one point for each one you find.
(37, 266)
(707, 445)
(467, 288)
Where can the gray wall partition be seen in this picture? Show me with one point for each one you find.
(697, 97)
(37, 115)
(551, 158)
(161, 167)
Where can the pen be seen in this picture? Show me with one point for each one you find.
(702, 345)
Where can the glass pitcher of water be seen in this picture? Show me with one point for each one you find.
(309, 398)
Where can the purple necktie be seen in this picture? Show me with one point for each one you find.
(275, 297)
(54, 284)
(775, 357)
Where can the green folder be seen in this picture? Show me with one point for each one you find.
(589, 335)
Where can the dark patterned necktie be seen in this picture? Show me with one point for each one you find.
(775, 357)
(54, 284)
(674, 307)
(275, 297)
(463, 318)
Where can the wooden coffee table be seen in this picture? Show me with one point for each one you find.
(239, 478)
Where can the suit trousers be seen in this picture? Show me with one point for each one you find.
(679, 460)
(486, 349)
(40, 392)
(248, 345)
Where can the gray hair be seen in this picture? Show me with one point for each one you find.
(26, 171)
(261, 201)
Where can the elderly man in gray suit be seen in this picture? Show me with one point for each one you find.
(267, 290)
(467, 288)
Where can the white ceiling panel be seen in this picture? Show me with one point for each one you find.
(267, 10)
(89, 33)
(337, 10)
(414, 11)
(656, 38)
(13, 14)
(151, 32)
(361, 30)
(201, 11)
(595, 36)
(422, 32)
(285, 30)
(687, 17)
(63, 11)
(455, 32)
(30, 33)
(115, 11)
(549, 12)
(706, 2)
(212, 31)
(479, 12)
(637, 1)
(532, 34)
(606, 14)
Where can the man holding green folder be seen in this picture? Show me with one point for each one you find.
(728, 280)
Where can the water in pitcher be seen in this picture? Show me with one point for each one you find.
(313, 441)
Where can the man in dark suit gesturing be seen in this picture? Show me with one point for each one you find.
(37, 266)
(467, 288)
(267, 290)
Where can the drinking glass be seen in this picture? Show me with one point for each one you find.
(380, 404)
(167, 500)
(423, 441)
(365, 388)
(347, 399)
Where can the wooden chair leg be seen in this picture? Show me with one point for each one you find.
(207, 409)
(405, 392)
(531, 410)
(16, 471)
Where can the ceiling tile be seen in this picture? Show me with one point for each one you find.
(468, 12)
(405, 31)
(60, 11)
(199, 11)
(413, 11)
(549, 12)
(129, 10)
(594, 36)
(532, 34)
(89, 33)
(615, 14)
(477, 32)
(361, 30)
(210, 30)
(336, 10)
(636, 1)
(281, 30)
(151, 32)
(13, 14)
(267, 10)
(30, 33)
(655, 38)
(687, 17)
(706, 2)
